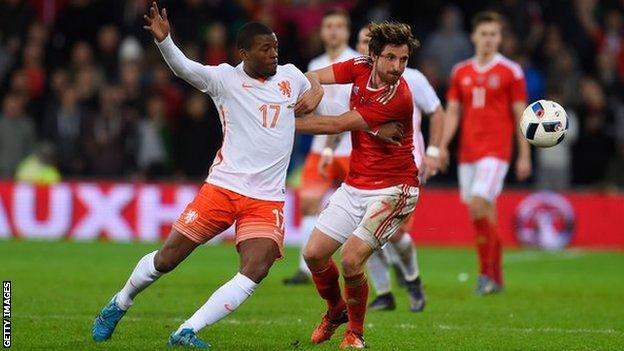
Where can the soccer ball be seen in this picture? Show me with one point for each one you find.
(544, 123)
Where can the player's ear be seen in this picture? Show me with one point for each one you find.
(242, 53)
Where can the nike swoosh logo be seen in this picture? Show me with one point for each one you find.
(228, 307)
(246, 85)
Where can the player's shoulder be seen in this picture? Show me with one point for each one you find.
(414, 76)
(288, 69)
(349, 53)
(511, 65)
(363, 61)
(318, 62)
(461, 66)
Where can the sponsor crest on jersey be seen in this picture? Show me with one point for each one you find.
(190, 216)
(545, 220)
(466, 81)
(494, 81)
(284, 87)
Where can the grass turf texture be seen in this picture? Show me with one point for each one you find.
(560, 301)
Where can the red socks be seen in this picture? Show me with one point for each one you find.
(489, 249)
(326, 281)
(356, 291)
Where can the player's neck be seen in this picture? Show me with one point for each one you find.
(253, 74)
(375, 81)
(484, 58)
(335, 52)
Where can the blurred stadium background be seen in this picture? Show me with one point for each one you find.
(98, 140)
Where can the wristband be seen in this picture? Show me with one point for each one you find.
(327, 152)
(433, 151)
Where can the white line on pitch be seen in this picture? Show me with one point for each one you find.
(444, 327)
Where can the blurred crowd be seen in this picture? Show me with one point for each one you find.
(85, 93)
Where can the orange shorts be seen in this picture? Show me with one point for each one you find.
(215, 209)
(313, 184)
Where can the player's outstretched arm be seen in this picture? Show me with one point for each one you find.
(157, 23)
(451, 122)
(322, 76)
(432, 155)
(523, 164)
(348, 121)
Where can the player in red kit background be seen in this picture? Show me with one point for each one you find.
(381, 189)
(490, 91)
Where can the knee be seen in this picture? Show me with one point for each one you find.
(351, 264)
(478, 208)
(164, 263)
(258, 269)
(314, 257)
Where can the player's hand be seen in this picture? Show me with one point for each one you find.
(523, 168)
(391, 132)
(323, 165)
(157, 23)
(443, 160)
(431, 166)
(309, 100)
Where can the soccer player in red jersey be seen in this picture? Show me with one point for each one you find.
(491, 92)
(381, 188)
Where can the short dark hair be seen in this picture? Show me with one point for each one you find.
(390, 33)
(247, 33)
(337, 11)
(486, 17)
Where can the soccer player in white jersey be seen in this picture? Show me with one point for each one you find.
(325, 166)
(256, 101)
(400, 249)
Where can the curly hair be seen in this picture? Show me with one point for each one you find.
(390, 33)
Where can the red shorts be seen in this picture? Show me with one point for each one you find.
(215, 209)
(313, 184)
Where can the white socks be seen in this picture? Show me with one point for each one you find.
(142, 276)
(407, 257)
(222, 302)
(307, 226)
(379, 272)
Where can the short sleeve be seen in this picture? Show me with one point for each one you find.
(518, 89)
(454, 91)
(301, 81)
(343, 71)
(425, 98)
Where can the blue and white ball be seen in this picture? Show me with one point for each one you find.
(544, 123)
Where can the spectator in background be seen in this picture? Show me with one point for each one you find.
(17, 134)
(216, 51)
(132, 92)
(88, 82)
(594, 147)
(15, 16)
(199, 137)
(107, 45)
(109, 137)
(39, 168)
(448, 44)
(163, 86)
(154, 137)
(62, 127)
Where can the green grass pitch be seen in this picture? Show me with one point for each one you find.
(570, 300)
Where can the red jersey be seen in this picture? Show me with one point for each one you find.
(487, 95)
(375, 164)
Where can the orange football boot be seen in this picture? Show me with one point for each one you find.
(352, 340)
(327, 327)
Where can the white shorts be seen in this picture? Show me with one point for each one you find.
(483, 178)
(371, 215)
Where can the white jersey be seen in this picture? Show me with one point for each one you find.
(425, 101)
(258, 122)
(335, 102)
